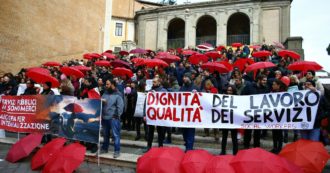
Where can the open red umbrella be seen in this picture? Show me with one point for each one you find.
(154, 62)
(120, 71)
(289, 53)
(109, 55)
(70, 71)
(214, 66)
(242, 63)
(137, 61)
(255, 47)
(108, 51)
(160, 160)
(188, 52)
(123, 53)
(73, 107)
(219, 164)
(46, 152)
(220, 48)
(102, 63)
(52, 64)
(120, 63)
(197, 58)
(261, 54)
(82, 68)
(38, 69)
(194, 161)
(213, 54)
(291, 167)
(205, 46)
(304, 66)
(66, 160)
(168, 58)
(259, 65)
(23, 147)
(91, 56)
(42, 77)
(226, 64)
(309, 155)
(138, 51)
(257, 160)
(236, 45)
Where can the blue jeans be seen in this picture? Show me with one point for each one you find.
(313, 134)
(113, 125)
(189, 138)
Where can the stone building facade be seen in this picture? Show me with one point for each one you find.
(219, 22)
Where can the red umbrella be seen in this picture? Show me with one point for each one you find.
(309, 155)
(236, 45)
(52, 63)
(137, 61)
(261, 54)
(109, 55)
(108, 51)
(154, 62)
(82, 68)
(194, 161)
(138, 51)
(197, 58)
(257, 160)
(23, 147)
(102, 63)
(259, 65)
(220, 48)
(220, 164)
(38, 69)
(291, 167)
(119, 71)
(226, 64)
(70, 71)
(46, 152)
(213, 54)
(304, 66)
(160, 160)
(120, 63)
(188, 52)
(289, 53)
(213, 66)
(163, 53)
(123, 53)
(255, 47)
(67, 160)
(168, 58)
(242, 62)
(91, 56)
(205, 46)
(73, 107)
(42, 77)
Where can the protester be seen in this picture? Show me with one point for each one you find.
(30, 89)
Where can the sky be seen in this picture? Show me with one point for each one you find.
(310, 20)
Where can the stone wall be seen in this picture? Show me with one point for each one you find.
(35, 31)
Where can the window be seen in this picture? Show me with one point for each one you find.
(119, 29)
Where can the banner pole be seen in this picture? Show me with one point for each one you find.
(99, 143)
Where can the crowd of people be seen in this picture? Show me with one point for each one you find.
(119, 92)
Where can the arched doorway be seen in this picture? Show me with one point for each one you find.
(175, 33)
(238, 29)
(206, 30)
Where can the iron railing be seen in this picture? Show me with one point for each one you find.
(207, 39)
(244, 39)
(175, 43)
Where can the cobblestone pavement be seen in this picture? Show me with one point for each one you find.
(23, 166)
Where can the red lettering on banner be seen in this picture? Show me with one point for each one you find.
(168, 113)
(195, 100)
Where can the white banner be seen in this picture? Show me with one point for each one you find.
(140, 104)
(294, 110)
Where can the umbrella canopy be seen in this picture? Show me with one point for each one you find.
(219, 164)
(255, 47)
(259, 65)
(226, 64)
(160, 160)
(67, 160)
(108, 51)
(236, 45)
(46, 152)
(278, 45)
(194, 161)
(70, 71)
(23, 147)
(138, 51)
(120, 71)
(205, 46)
(188, 52)
(154, 62)
(102, 63)
(309, 155)
(242, 63)
(91, 56)
(109, 55)
(137, 60)
(213, 54)
(197, 58)
(257, 160)
(291, 167)
(168, 58)
(73, 107)
(123, 53)
(289, 53)
(52, 64)
(213, 66)
(304, 66)
(261, 54)
(42, 77)
(82, 68)
(38, 69)
(120, 63)
(220, 48)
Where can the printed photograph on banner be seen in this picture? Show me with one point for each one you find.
(77, 119)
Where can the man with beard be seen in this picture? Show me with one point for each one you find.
(156, 87)
(188, 133)
(113, 107)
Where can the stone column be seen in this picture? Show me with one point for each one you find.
(222, 28)
(190, 30)
(162, 34)
(255, 26)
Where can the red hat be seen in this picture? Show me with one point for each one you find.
(214, 90)
(285, 80)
